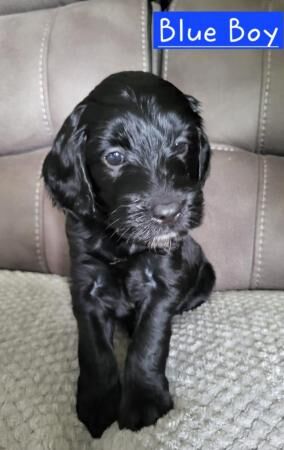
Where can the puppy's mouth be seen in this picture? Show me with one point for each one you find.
(163, 240)
(137, 226)
(150, 238)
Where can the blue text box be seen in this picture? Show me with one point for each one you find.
(221, 30)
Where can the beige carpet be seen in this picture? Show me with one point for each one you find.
(226, 373)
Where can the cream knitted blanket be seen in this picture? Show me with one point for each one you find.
(226, 373)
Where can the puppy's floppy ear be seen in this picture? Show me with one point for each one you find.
(194, 104)
(204, 155)
(204, 147)
(64, 169)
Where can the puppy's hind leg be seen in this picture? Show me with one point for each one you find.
(201, 291)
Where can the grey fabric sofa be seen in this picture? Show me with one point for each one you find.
(226, 365)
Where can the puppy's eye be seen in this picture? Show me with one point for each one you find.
(114, 158)
(181, 148)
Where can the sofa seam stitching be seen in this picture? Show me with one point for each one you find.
(262, 225)
(265, 97)
(256, 220)
(45, 258)
(166, 51)
(52, 24)
(42, 59)
(37, 232)
(143, 36)
(225, 148)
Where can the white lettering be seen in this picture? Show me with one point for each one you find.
(271, 36)
(210, 34)
(197, 37)
(165, 25)
(181, 30)
(234, 24)
(250, 35)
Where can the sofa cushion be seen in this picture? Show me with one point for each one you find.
(242, 91)
(51, 59)
(242, 233)
(32, 231)
(225, 373)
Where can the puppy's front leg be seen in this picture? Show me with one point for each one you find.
(98, 393)
(145, 392)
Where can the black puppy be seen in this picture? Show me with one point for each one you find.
(128, 167)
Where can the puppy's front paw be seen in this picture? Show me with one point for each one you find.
(141, 408)
(98, 410)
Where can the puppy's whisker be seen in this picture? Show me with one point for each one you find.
(111, 224)
(122, 235)
(113, 213)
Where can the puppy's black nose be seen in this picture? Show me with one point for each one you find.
(166, 212)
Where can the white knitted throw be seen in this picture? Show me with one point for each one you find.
(226, 373)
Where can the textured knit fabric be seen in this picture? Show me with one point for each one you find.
(225, 370)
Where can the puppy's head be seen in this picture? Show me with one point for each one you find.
(134, 150)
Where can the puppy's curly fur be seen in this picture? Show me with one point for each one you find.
(128, 167)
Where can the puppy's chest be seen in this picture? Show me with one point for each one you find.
(145, 274)
(141, 272)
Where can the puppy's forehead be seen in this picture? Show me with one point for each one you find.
(131, 85)
(144, 118)
(132, 109)
(149, 126)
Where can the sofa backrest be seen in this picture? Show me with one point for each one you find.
(52, 58)
(242, 97)
(20, 6)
